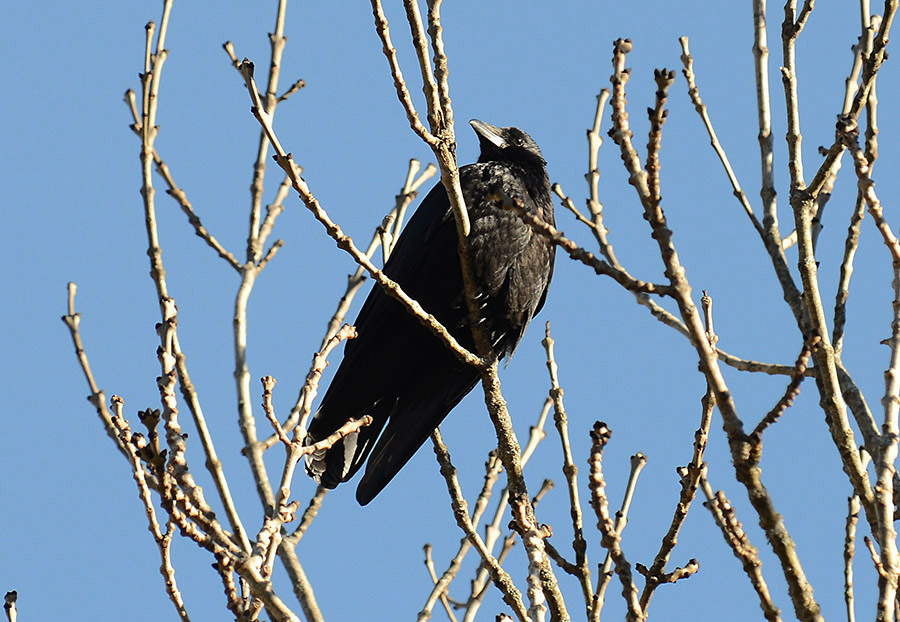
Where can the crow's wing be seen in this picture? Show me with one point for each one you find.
(392, 350)
(423, 405)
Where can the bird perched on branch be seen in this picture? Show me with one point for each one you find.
(396, 370)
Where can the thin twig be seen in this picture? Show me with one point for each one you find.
(177, 193)
(268, 383)
(433, 100)
(600, 436)
(595, 207)
(740, 545)
(390, 52)
(830, 387)
(134, 443)
(97, 397)
(579, 544)
(790, 393)
(511, 594)
(849, 551)
(429, 565)
(690, 476)
(177, 479)
(269, 536)
(492, 471)
(853, 508)
(638, 462)
(851, 243)
(277, 41)
(870, 70)
(771, 237)
(309, 514)
(790, 30)
(318, 365)
(764, 118)
(258, 231)
(296, 86)
(493, 529)
(700, 107)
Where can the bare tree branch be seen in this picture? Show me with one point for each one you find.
(579, 544)
(638, 461)
(97, 397)
(790, 393)
(732, 530)
(150, 79)
(600, 436)
(690, 476)
(747, 469)
(884, 462)
(700, 107)
(511, 594)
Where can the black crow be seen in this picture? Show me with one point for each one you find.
(396, 370)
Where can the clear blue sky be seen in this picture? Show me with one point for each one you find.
(73, 539)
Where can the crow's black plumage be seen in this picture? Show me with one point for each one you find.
(396, 370)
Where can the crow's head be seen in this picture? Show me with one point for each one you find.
(506, 143)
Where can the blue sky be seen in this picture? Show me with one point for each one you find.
(73, 534)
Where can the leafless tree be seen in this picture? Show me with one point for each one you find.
(245, 557)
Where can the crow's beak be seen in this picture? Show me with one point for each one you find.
(489, 132)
